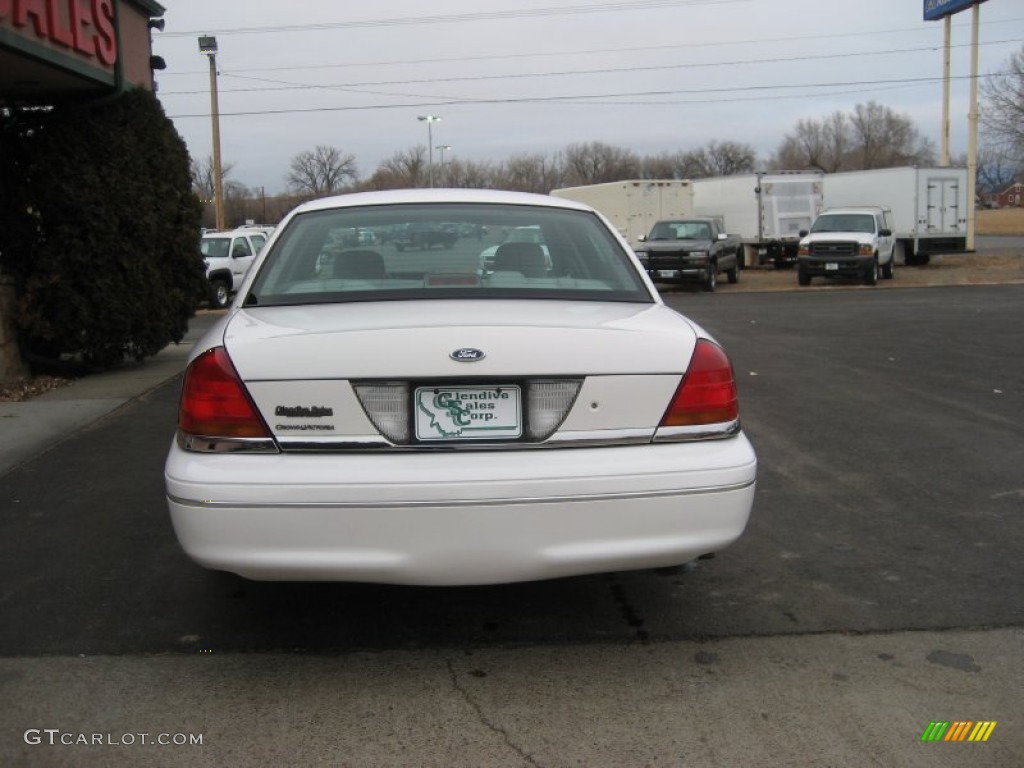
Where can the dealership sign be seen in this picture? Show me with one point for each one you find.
(937, 9)
(85, 31)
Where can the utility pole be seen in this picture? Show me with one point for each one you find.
(430, 120)
(208, 46)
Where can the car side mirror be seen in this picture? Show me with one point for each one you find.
(722, 236)
(642, 238)
(885, 233)
(803, 233)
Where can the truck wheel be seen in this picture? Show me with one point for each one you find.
(887, 269)
(220, 294)
(733, 275)
(711, 278)
(871, 273)
(803, 278)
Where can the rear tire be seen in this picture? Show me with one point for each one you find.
(220, 294)
(803, 278)
(733, 275)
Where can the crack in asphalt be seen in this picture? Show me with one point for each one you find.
(484, 720)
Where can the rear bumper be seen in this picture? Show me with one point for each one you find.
(460, 518)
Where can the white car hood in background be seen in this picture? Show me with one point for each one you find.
(406, 339)
(864, 238)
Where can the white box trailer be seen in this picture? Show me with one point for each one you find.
(634, 205)
(929, 206)
(766, 209)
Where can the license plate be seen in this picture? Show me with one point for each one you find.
(668, 273)
(831, 266)
(468, 413)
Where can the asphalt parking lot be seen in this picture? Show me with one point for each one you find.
(876, 589)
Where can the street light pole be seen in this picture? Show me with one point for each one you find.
(430, 120)
(208, 46)
(444, 173)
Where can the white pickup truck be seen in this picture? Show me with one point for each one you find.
(228, 257)
(847, 242)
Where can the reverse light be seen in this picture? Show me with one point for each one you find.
(705, 402)
(215, 412)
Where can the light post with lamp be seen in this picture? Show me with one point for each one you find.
(444, 172)
(430, 120)
(208, 47)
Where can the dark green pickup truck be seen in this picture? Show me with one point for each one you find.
(691, 248)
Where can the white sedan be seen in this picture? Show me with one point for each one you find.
(411, 421)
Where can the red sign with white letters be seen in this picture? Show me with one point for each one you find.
(85, 29)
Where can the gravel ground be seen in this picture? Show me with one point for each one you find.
(981, 268)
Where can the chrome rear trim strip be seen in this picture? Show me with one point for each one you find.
(200, 444)
(697, 432)
(210, 504)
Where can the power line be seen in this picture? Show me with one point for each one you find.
(584, 52)
(908, 82)
(458, 18)
(564, 73)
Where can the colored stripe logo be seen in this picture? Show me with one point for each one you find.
(958, 730)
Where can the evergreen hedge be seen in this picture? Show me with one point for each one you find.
(98, 230)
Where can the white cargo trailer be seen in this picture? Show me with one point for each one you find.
(633, 206)
(766, 209)
(929, 206)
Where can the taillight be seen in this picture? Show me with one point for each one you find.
(214, 403)
(707, 393)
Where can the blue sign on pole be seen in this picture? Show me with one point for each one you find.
(937, 9)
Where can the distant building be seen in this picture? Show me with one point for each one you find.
(1011, 197)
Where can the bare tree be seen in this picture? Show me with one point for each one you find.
(883, 139)
(721, 159)
(467, 174)
(872, 136)
(322, 171)
(596, 162)
(404, 169)
(531, 173)
(1002, 111)
(672, 165)
(202, 176)
(996, 170)
(660, 166)
(815, 145)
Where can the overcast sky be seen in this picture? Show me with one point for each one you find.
(510, 77)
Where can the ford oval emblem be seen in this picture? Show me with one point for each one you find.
(467, 355)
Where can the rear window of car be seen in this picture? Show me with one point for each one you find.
(452, 250)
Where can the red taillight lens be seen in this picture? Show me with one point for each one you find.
(707, 393)
(214, 402)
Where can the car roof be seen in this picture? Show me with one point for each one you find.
(857, 209)
(231, 233)
(408, 196)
